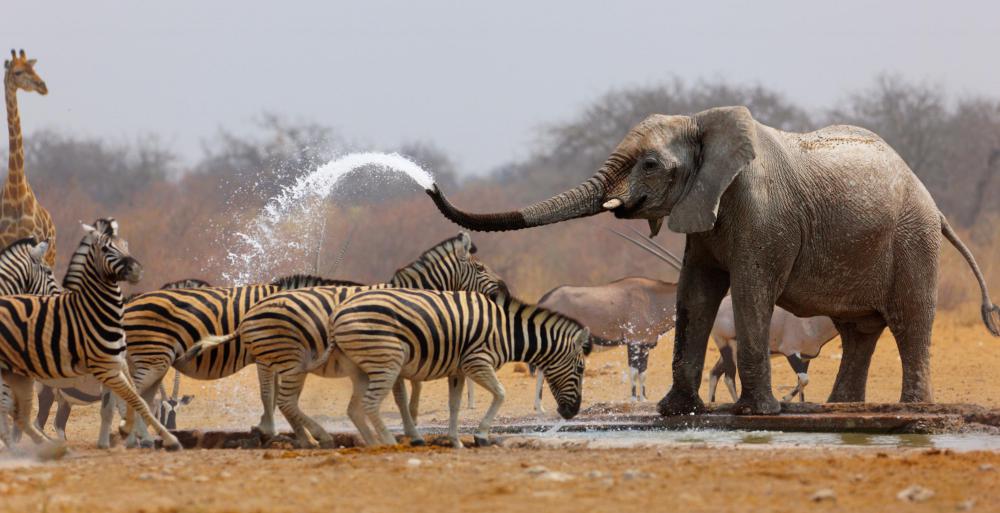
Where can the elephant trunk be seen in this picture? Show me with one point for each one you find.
(584, 200)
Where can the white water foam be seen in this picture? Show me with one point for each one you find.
(281, 232)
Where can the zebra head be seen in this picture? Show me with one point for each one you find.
(564, 371)
(451, 265)
(110, 253)
(23, 269)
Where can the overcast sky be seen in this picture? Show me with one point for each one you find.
(476, 78)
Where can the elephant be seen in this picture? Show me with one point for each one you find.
(831, 222)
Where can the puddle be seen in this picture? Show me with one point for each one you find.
(629, 438)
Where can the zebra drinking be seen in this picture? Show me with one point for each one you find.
(384, 335)
(287, 331)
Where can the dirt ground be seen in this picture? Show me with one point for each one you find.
(686, 478)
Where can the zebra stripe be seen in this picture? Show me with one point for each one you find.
(287, 331)
(22, 271)
(75, 333)
(384, 335)
(162, 325)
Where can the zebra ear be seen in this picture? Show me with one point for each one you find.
(584, 341)
(465, 246)
(38, 251)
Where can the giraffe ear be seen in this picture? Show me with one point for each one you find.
(31, 62)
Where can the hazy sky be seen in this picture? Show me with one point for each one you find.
(476, 78)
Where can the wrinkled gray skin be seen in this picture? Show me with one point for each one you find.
(831, 222)
(630, 311)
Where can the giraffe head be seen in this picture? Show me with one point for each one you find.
(20, 72)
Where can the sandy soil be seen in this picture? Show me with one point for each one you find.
(502, 479)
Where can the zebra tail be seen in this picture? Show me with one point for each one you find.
(311, 365)
(204, 345)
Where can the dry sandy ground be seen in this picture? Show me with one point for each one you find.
(687, 478)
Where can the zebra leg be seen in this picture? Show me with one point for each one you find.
(485, 376)
(403, 403)
(289, 390)
(62, 417)
(455, 384)
(470, 394)
(268, 383)
(356, 410)
(107, 415)
(415, 387)
(538, 391)
(23, 390)
(46, 396)
(140, 434)
(119, 383)
(6, 411)
(379, 384)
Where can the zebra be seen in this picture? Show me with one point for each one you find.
(22, 271)
(286, 331)
(77, 332)
(420, 335)
(86, 390)
(162, 325)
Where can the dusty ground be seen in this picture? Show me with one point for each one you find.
(965, 361)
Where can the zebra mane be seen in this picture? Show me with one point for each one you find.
(187, 283)
(428, 257)
(27, 241)
(298, 281)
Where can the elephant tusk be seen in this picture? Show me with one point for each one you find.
(654, 226)
(612, 204)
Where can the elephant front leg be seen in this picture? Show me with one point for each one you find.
(699, 294)
(753, 307)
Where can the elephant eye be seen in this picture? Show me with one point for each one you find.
(650, 164)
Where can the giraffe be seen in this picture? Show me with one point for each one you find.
(20, 214)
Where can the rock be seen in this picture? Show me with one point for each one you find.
(413, 463)
(915, 493)
(966, 505)
(595, 474)
(200, 479)
(535, 470)
(986, 467)
(632, 474)
(555, 476)
(823, 494)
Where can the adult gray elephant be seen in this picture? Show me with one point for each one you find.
(831, 222)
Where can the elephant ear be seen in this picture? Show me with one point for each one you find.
(728, 139)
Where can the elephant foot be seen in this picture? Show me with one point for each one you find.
(680, 403)
(916, 396)
(749, 405)
(847, 394)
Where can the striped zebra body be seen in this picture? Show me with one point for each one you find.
(75, 333)
(162, 325)
(287, 332)
(86, 390)
(420, 335)
(22, 271)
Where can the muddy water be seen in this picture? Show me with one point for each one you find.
(718, 438)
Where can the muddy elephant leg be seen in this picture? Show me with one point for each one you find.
(913, 340)
(699, 294)
(858, 340)
(753, 305)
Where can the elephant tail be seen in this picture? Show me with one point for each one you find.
(991, 313)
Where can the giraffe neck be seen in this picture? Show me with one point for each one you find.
(14, 189)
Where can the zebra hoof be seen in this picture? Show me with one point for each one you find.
(481, 441)
(417, 442)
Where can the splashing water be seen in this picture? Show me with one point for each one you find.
(281, 231)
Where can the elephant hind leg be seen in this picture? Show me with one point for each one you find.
(858, 340)
(913, 340)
